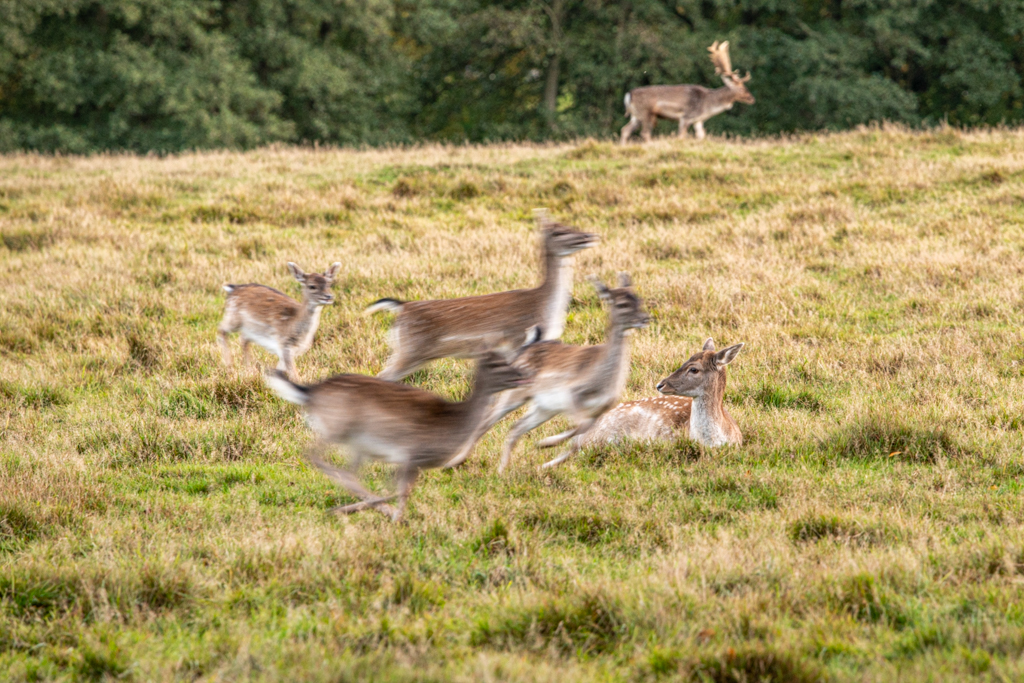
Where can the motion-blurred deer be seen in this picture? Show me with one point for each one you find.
(692, 406)
(688, 104)
(275, 321)
(393, 423)
(580, 382)
(460, 328)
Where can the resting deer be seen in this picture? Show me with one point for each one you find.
(427, 330)
(393, 423)
(692, 406)
(688, 104)
(580, 382)
(275, 321)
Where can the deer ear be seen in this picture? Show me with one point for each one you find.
(296, 272)
(602, 291)
(534, 335)
(625, 280)
(709, 345)
(332, 272)
(727, 355)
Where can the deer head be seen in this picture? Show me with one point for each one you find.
(560, 239)
(732, 79)
(703, 375)
(627, 310)
(316, 288)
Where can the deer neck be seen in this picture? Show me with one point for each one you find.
(709, 423)
(474, 409)
(555, 292)
(718, 100)
(614, 367)
(307, 320)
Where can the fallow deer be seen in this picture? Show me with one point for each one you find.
(275, 321)
(692, 406)
(460, 328)
(688, 104)
(394, 423)
(580, 382)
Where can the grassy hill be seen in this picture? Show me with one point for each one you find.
(158, 522)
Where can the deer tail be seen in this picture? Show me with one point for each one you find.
(287, 389)
(385, 304)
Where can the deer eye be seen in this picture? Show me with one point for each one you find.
(693, 371)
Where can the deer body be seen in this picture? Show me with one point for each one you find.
(460, 328)
(687, 104)
(580, 382)
(266, 317)
(693, 406)
(393, 423)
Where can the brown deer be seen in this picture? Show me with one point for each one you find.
(275, 321)
(580, 382)
(688, 104)
(460, 328)
(393, 423)
(692, 406)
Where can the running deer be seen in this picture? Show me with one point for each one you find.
(393, 423)
(692, 406)
(580, 382)
(428, 330)
(275, 321)
(688, 104)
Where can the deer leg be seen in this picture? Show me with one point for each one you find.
(534, 418)
(222, 341)
(350, 483)
(288, 360)
(574, 447)
(246, 359)
(557, 438)
(698, 129)
(405, 483)
(505, 405)
(628, 129)
(683, 125)
(647, 127)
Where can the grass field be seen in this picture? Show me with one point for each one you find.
(158, 522)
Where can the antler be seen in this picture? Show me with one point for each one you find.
(720, 58)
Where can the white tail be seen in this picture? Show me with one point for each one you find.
(286, 389)
(428, 330)
(278, 323)
(693, 406)
(385, 304)
(580, 382)
(687, 104)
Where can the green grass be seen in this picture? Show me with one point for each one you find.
(158, 521)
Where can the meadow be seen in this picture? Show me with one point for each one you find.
(158, 521)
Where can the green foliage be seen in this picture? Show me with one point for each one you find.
(167, 75)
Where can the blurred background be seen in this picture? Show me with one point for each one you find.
(168, 75)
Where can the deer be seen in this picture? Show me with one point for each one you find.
(688, 104)
(264, 316)
(393, 423)
(458, 328)
(691, 405)
(580, 382)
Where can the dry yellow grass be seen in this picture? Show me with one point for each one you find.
(157, 521)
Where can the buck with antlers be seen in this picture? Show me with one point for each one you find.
(580, 382)
(692, 406)
(688, 104)
(460, 328)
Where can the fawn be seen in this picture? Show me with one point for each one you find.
(275, 321)
(394, 423)
(442, 328)
(692, 406)
(580, 382)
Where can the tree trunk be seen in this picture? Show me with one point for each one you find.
(551, 85)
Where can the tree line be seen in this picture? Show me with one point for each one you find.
(168, 75)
